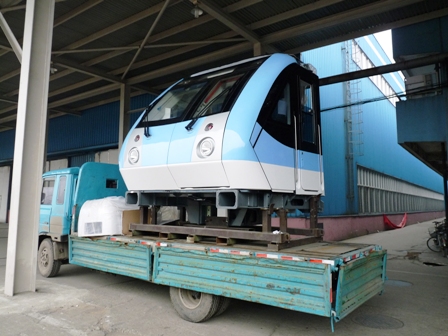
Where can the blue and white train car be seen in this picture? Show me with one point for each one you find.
(244, 135)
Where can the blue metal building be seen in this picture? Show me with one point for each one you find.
(366, 170)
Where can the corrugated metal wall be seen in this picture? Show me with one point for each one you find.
(381, 152)
(7, 146)
(96, 127)
(95, 130)
(333, 126)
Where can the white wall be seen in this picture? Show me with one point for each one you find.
(4, 192)
(110, 156)
(56, 164)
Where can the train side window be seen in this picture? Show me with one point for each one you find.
(308, 113)
(277, 113)
(282, 109)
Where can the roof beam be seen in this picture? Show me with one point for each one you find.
(65, 111)
(157, 73)
(293, 13)
(75, 12)
(85, 70)
(8, 125)
(11, 38)
(361, 33)
(8, 100)
(403, 65)
(83, 95)
(87, 5)
(190, 24)
(151, 46)
(111, 100)
(229, 21)
(193, 23)
(200, 60)
(332, 20)
(148, 34)
(119, 25)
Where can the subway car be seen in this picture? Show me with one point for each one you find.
(241, 136)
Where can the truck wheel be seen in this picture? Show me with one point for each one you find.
(224, 303)
(48, 267)
(194, 306)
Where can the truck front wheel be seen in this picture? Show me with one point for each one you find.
(194, 306)
(48, 267)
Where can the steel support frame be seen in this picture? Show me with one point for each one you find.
(11, 38)
(29, 148)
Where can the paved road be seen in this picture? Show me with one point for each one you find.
(84, 302)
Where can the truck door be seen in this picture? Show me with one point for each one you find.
(45, 204)
(61, 207)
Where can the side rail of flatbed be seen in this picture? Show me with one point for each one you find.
(326, 279)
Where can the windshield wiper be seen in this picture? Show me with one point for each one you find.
(205, 108)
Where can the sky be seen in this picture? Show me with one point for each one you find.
(384, 38)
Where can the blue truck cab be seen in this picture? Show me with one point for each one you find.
(64, 191)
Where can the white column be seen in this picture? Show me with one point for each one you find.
(125, 104)
(29, 148)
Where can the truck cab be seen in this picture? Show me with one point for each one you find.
(64, 191)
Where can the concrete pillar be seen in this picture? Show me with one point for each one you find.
(125, 104)
(29, 148)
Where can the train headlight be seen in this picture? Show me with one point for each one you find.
(133, 156)
(206, 147)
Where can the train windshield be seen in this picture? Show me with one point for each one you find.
(174, 103)
(200, 95)
(216, 96)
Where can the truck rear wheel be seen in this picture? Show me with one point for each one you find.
(48, 267)
(194, 306)
(224, 303)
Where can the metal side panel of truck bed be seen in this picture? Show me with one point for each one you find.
(125, 257)
(326, 279)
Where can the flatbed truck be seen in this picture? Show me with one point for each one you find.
(329, 279)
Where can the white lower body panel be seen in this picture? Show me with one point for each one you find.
(149, 178)
(208, 174)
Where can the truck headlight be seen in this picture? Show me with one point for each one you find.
(206, 147)
(133, 155)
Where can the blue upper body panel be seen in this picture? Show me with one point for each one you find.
(245, 111)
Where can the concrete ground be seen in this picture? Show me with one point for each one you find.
(80, 301)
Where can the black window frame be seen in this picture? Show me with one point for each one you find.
(291, 134)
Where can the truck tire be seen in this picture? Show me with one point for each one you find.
(48, 267)
(194, 306)
(224, 303)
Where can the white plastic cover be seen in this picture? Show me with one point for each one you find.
(102, 217)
